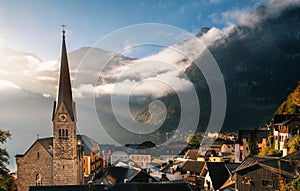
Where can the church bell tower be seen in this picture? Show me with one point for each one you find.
(67, 150)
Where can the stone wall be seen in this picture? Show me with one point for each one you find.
(36, 161)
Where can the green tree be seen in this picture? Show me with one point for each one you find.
(252, 143)
(290, 105)
(192, 139)
(6, 180)
(269, 151)
(4, 135)
(294, 185)
(294, 144)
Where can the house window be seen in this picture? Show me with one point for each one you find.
(38, 155)
(67, 133)
(59, 132)
(267, 183)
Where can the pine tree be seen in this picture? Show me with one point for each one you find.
(6, 180)
(252, 143)
(4, 135)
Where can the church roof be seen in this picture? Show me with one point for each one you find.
(47, 143)
(64, 85)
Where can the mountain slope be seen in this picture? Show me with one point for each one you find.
(260, 65)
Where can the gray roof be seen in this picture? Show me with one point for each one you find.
(192, 154)
(293, 156)
(106, 147)
(119, 174)
(252, 160)
(280, 166)
(218, 174)
(87, 144)
(280, 119)
(231, 166)
(193, 166)
(64, 86)
(274, 164)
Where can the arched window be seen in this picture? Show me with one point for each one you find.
(59, 132)
(67, 133)
(38, 179)
(63, 133)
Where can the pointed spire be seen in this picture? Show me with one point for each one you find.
(64, 85)
(63, 26)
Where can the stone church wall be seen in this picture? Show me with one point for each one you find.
(35, 167)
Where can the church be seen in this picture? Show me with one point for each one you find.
(56, 160)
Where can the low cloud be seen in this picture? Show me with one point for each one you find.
(236, 16)
(246, 15)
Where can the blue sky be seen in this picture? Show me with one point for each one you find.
(34, 26)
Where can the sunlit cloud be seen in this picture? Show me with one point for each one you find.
(4, 85)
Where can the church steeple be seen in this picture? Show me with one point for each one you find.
(64, 94)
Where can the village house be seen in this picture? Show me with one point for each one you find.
(194, 173)
(91, 155)
(119, 155)
(142, 160)
(124, 172)
(285, 127)
(216, 175)
(264, 173)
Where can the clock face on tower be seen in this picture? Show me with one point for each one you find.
(62, 117)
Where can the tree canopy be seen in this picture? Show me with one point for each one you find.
(192, 139)
(290, 105)
(4, 135)
(6, 180)
(294, 144)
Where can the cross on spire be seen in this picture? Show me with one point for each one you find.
(63, 26)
